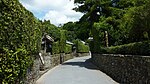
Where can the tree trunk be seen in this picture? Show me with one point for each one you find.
(106, 39)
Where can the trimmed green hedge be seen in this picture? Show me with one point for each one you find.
(68, 48)
(138, 48)
(61, 46)
(14, 65)
(81, 48)
(20, 38)
(62, 42)
(55, 48)
(18, 27)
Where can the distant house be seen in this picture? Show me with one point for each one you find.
(90, 38)
(47, 43)
(73, 46)
(68, 42)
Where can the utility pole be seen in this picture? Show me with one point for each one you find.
(45, 43)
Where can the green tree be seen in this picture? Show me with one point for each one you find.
(71, 29)
(136, 20)
(76, 30)
(51, 30)
(92, 10)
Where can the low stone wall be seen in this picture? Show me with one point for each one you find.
(68, 56)
(50, 61)
(55, 60)
(47, 61)
(125, 69)
(33, 72)
(82, 54)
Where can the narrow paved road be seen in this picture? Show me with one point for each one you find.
(75, 71)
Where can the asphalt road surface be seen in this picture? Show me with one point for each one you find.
(75, 71)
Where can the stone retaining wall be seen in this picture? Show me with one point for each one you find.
(125, 69)
(50, 61)
(55, 60)
(33, 72)
(82, 54)
(68, 56)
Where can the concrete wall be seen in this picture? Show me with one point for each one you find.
(125, 69)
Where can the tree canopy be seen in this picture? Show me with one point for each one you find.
(125, 21)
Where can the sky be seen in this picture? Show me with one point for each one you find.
(57, 11)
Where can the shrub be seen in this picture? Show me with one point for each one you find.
(14, 65)
(62, 42)
(18, 26)
(96, 48)
(138, 48)
(55, 48)
(81, 47)
(68, 48)
(20, 37)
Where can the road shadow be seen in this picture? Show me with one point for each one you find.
(87, 64)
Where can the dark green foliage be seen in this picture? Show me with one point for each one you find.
(92, 10)
(71, 29)
(83, 30)
(55, 48)
(91, 45)
(70, 35)
(96, 40)
(137, 20)
(76, 30)
(68, 48)
(81, 48)
(61, 46)
(96, 49)
(51, 30)
(125, 21)
(138, 48)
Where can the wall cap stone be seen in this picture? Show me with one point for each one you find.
(120, 55)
